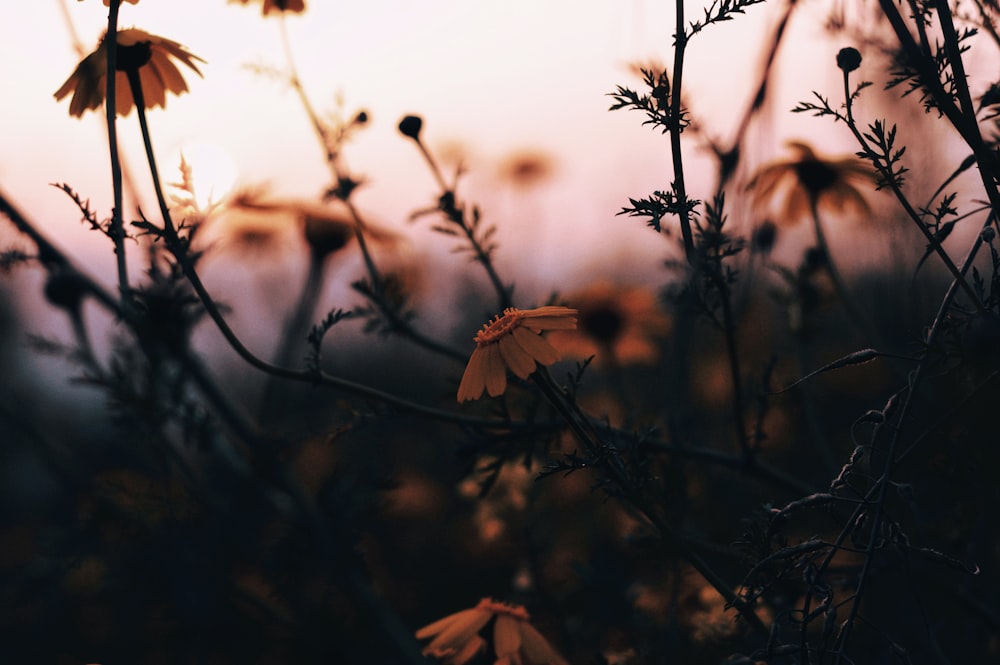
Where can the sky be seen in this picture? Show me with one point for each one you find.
(490, 78)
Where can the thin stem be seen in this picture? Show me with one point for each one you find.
(117, 230)
(887, 176)
(680, 44)
(140, 106)
(587, 437)
(882, 484)
(397, 323)
(732, 356)
(456, 215)
(838, 281)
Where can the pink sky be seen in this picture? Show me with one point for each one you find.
(495, 77)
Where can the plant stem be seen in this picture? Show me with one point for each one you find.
(117, 231)
(680, 44)
(587, 437)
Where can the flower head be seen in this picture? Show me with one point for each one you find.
(619, 324)
(512, 341)
(152, 56)
(410, 126)
(455, 639)
(268, 6)
(848, 59)
(810, 180)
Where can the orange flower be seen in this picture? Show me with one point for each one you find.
(512, 341)
(455, 639)
(268, 6)
(618, 324)
(152, 55)
(810, 180)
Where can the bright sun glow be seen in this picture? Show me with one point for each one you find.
(213, 171)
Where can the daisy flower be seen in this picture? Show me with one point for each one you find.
(809, 181)
(455, 639)
(151, 55)
(512, 341)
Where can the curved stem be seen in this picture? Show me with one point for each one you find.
(140, 106)
(331, 157)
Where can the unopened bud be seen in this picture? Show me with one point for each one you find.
(410, 126)
(849, 59)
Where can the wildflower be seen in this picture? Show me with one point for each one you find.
(455, 639)
(809, 181)
(618, 324)
(151, 55)
(268, 6)
(512, 341)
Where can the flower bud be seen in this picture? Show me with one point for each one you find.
(410, 126)
(849, 59)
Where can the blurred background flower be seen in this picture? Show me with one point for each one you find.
(619, 324)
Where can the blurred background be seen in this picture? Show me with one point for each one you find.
(105, 540)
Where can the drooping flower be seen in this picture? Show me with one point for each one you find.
(618, 324)
(808, 180)
(512, 341)
(455, 639)
(152, 56)
(268, 6)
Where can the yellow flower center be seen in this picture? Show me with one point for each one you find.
(498, 327)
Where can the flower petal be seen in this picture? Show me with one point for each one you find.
(550, 317)
(474, 379)
(506, 636)
(536, 649)
(515, 357)
(496, 371)
(461, 628)
(535, 346)
(467, 652)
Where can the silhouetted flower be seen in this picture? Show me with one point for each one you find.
(268, 6)
(410, 126)
(512, 341)
(455, 639)
(811, 180)
(151, 55)
(848, 59)
(616, 323)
